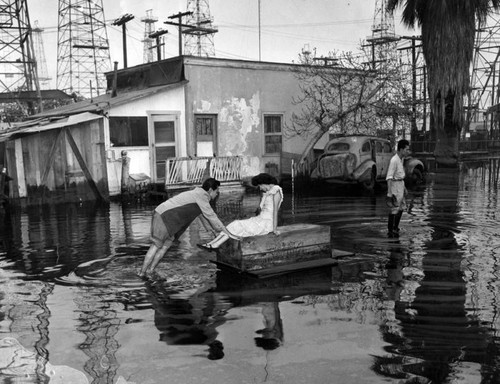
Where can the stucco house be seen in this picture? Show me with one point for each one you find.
(179, 107)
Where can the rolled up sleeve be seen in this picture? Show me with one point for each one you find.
(209, 214)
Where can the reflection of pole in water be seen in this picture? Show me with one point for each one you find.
(99, 323)
(43, 329)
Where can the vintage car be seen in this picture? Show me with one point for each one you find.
(361, 159)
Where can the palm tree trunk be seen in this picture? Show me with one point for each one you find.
(447, 135)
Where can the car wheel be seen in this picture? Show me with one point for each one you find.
(417, 176)
(369, 185)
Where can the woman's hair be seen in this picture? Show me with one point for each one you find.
(264, 178)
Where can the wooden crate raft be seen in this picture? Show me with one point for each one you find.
(298, 246)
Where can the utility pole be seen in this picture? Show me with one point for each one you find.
(413, 48)
(259, 35)
(179, 24)
(156, 35)
(122, 21)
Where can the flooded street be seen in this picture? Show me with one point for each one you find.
(419, 309)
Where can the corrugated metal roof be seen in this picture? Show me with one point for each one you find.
(48, 124)
(79, 112)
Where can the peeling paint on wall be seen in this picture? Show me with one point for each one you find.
(239, 122)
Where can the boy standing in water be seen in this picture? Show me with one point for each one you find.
(396, 190)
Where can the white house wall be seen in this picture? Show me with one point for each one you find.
(170, 102)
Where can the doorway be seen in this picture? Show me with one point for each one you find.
(164, 144)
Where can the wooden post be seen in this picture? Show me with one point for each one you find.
(125, 172)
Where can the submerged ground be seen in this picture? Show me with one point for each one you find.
(419, 309)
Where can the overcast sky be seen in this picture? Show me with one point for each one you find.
(287, 26)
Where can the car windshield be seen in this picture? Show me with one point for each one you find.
(338, 147)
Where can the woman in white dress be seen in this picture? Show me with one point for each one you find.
(262, 224)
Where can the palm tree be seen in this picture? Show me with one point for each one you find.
(448, 31)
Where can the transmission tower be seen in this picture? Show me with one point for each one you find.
(43, 74)
(149, 27)
(391, 51)
(200, 37)
(82, 48)
(17, 62)
(485, 67)
(383, 39)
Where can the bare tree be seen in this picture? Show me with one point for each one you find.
(347, 94)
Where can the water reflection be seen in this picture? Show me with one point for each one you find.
(424, 306)
(394, 267)
(272, 334)
(188, 319)
(436, 333)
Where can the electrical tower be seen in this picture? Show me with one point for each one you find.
(389, 51)
(484, 85)
(200, 37)
(149, 27)
(82, 48)
(383, 39)
(43, 73)
(17, 62)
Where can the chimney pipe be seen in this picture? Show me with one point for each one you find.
(115, 80)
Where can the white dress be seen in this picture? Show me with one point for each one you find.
(261, 224)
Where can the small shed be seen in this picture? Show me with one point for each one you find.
(57, 159)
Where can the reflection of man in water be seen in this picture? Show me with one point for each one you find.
(272, 334)
(188, 321)
(395, 277)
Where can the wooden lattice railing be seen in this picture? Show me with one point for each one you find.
(192, 170)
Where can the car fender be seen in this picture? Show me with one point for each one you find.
(411, 163)
(363, 172)
(315, 173)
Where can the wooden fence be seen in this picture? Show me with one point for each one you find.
(193, 170)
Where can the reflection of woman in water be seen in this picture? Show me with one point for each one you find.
(262, 224)
(272, 334)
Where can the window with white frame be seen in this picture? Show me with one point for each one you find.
(273, 134)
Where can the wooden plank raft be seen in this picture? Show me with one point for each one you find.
(298, 246)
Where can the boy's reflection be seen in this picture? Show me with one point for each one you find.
(394, 267)
(272, 334)
(190, 320)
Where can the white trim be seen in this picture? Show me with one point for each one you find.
(21, 179)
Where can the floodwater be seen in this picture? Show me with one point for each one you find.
(423, 308)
